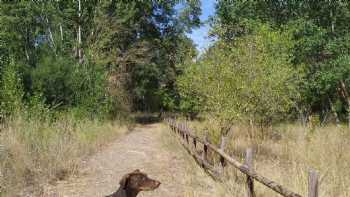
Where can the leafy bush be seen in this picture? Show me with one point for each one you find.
(249, 79)
(65, 83)
(192, 98)
(11, 93)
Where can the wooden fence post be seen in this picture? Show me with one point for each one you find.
(313, 183)
(249, 164)
(186, 132)
(180, 131)
(205, 148)
(223, 142)
(222, 148)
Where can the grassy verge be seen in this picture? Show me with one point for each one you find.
(285, 153)
(195, 181)
(34, 152)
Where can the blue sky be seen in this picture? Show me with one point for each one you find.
(200, 35)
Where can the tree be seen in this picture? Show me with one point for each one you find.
(250, 79)
(316, 26)
(141, 44)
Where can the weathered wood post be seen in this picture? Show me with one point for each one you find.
(223, 142)
(249, 164)
(171, 122)
(182, 134)
(187, 133)
(205, 149)
(313, 183)
(173, 125)
(177, 128)
(222, 148)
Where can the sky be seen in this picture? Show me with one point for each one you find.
(200, 35)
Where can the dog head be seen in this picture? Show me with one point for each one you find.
(138, 181)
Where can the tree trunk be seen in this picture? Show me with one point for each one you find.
(80, 55)
(50, 35)
(332, 18)
(61, 31)
(337, 121)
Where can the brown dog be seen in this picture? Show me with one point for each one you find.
(131, 184)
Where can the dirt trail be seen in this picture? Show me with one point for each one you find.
(151, 149)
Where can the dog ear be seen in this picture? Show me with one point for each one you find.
(124, 181)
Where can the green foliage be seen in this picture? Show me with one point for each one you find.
(37, 110)
(189, 84)
(251, 78)
(135, 43)
(319, 31)
(63, 82)
(54, 77)
(90, 91)
(11, 92)
(142, 42)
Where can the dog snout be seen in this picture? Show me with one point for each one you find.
(157, 183)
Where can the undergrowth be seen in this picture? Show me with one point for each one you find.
(285, 153)
(41, 150)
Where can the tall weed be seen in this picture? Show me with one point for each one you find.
(40, 150)
(285, 154)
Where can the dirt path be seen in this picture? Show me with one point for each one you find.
(151, 149)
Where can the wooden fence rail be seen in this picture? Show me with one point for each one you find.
(247, 168)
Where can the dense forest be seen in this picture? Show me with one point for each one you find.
(288, 58)
(102, 57)
(71, 70)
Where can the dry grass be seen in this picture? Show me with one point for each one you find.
(196, 182)
(36, 152)
(285, 153)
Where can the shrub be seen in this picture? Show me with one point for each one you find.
(249, 79)
(66, 84)
(11, 92)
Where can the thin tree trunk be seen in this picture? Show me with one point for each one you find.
(337, 121)
(332, 18)
(26, 47)
(79, 33)
(61, 31)
(50, 34)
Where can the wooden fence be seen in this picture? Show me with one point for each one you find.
(189, 138)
